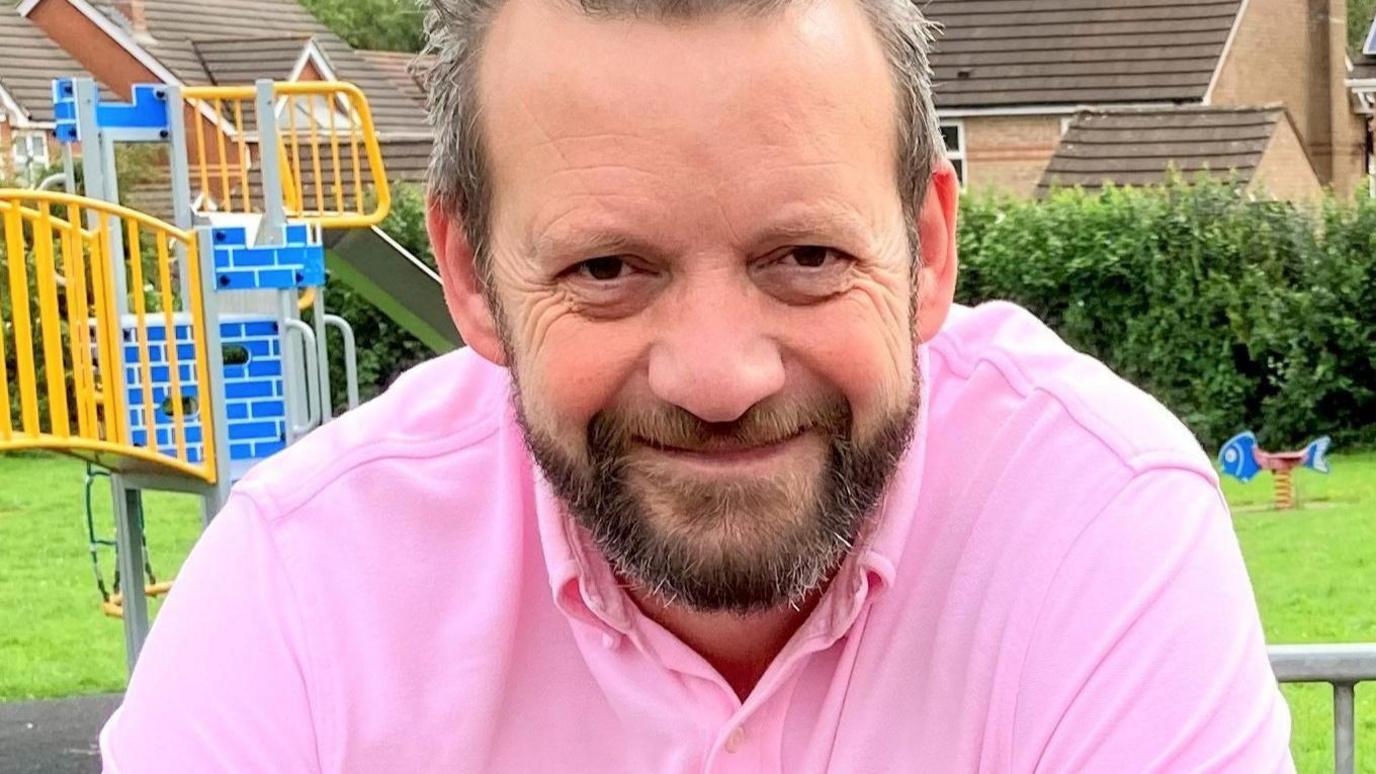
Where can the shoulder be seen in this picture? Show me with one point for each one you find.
(1000, 361)
(439, 415)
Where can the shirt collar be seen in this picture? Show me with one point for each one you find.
(586, 589)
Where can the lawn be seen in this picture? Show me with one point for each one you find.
(1313, 570)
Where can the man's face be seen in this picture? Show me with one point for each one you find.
(703, 273)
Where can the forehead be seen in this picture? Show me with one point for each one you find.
(630, 117)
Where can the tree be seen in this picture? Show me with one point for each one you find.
(387, 25)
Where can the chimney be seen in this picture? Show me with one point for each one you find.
(133, 13)
(1346, 138)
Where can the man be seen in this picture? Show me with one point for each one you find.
(723, 482)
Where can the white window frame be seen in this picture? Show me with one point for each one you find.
(957, 154)
(23, 143)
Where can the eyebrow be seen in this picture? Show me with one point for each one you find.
(804, 226)
(588, 243)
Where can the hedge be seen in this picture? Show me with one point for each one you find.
(1236, 312)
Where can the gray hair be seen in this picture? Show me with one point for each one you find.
(459, 181)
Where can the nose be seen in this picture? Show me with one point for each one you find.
(714, 357)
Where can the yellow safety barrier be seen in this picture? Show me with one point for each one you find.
(78, 377)
(327, 152)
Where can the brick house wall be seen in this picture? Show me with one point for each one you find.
(1285, 171)
(1007, 154)
(1281, 54)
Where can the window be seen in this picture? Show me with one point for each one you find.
(953, 134)
(30, 151)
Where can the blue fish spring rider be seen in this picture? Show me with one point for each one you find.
(1242, 458)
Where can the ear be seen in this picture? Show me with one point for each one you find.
(937, 232)
(462, 286)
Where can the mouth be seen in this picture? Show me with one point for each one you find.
(730, 455)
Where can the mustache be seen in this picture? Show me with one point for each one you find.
(672, 427)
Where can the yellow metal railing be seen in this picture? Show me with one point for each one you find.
(76, 374)
(327, 151)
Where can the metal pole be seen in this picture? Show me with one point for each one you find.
(180, 168)
(212, 396)
(1343, 732)
(265, 111)
(322, 355)
(128, 503)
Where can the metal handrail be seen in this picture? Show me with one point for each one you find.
(1339, 665)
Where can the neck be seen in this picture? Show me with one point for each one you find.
(740, 647)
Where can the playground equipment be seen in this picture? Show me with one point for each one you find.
(1242, 459)
(173, 356)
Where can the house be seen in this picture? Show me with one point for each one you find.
(210, 42)
(30, 63)
(1031, 93)
(1036, 93)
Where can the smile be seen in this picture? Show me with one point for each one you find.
(736, 458)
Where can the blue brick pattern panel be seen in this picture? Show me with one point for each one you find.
(254, 401)
(298, 262)
(64, 110)
(160, 381)
(147, 111)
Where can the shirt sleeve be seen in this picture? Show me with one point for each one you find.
(220, 684)
(1148, 653)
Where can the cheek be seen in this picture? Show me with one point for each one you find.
(862, 346)
(576, 369)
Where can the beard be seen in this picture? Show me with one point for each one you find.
(736, 544)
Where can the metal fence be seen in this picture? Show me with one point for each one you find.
(1341, 666)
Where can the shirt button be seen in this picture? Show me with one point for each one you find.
(736, 739)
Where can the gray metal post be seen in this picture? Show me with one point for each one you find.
(322, 355)
(68, 169)
(128, 503)
(1344, 743)
(270, 233)
(96, 168)
(180, 167)
(269, 166)
(213, 394)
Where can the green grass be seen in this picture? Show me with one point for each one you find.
(53, 639)
(1313, 570)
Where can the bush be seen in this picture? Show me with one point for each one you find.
(1237, 313)
(385, 349)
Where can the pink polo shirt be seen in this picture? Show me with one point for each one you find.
(1054, 586)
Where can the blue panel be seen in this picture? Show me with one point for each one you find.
(157, 333)
(139, 437)
(269, 409)
(296, 234)
(241, 451)
(242, 431)
(65, 110)
(265, 368)
(243, 257)
(267, 449)
(236, 411)
(147, 111)
(258, 348)
(261, 328)
(249, 390)
(236, 280)
(194, 455)
(277, 278)
(229, 236)
(186, 351)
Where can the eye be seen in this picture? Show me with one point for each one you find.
(812, 256)
(603, 269)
